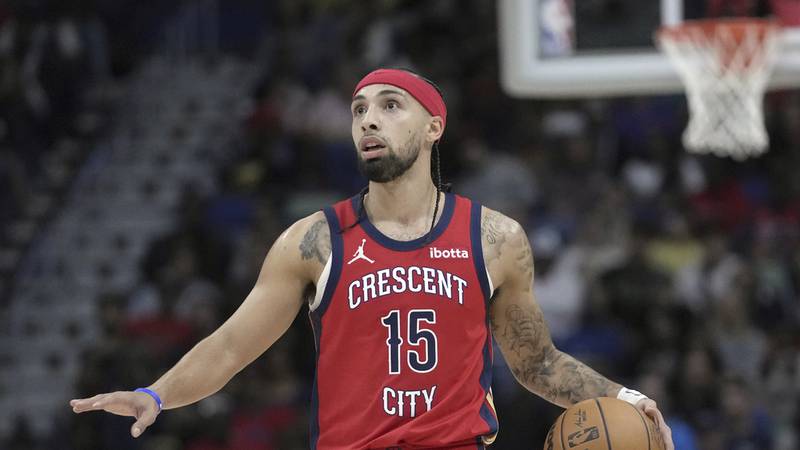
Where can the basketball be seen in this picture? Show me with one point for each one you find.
(603, 424)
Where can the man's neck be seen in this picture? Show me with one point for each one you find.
(401, 203)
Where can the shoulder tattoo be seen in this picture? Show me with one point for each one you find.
(491, 227)
(504, 238)
(316, 242)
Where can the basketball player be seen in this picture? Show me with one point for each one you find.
(412, 284)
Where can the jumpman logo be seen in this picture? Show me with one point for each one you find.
(359, 254)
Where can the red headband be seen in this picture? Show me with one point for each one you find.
(420, 89)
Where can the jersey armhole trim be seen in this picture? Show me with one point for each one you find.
(333, 268)
(477, 251)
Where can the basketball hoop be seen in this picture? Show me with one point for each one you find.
(725, 65)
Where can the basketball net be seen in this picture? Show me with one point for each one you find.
(725, 65)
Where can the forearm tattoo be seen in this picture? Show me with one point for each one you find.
(316, 242)
(522, 332)
(540, 367)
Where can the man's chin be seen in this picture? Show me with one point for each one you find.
(384, 168)
(379, 177)
(373, 169)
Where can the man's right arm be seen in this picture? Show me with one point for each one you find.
(295, 260)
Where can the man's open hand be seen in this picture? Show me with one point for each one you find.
(122, 403)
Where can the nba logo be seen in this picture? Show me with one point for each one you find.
(556, 27)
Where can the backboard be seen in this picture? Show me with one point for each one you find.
(593, 48)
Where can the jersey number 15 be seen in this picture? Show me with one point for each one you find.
(417, 334)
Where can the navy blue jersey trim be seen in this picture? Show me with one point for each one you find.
(405, 246)
(486, 373)
(489, 418)
(477, 249)
(480, 271)
(486, 380)
(337, 246)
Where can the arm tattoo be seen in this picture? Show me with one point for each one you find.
(490, 227)
(523, 258)
(520, 328)
(502, 235)
(316, 242)
(540, 367)
(494, 231)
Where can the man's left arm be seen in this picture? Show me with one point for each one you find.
(519, 328)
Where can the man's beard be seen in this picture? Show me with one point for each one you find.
(391, 166)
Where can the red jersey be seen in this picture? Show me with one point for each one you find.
(404, 348)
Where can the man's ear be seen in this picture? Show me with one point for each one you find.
(435, 128)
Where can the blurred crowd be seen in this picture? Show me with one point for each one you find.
(58, 64)
(41, 79)
(675, 274)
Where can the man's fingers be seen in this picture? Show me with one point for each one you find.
(666, 433)
(653, 412)
(651, 409)
(84, 401)
(119, 403)
(663, 428)
(656, 414)
(145, 420)
(86, 404)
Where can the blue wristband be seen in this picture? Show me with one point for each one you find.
(151, 394)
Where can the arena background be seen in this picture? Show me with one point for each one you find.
(150, 152)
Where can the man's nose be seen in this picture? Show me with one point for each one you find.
(370, 120)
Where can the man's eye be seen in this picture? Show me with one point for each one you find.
(391, 105)
(358, 110)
